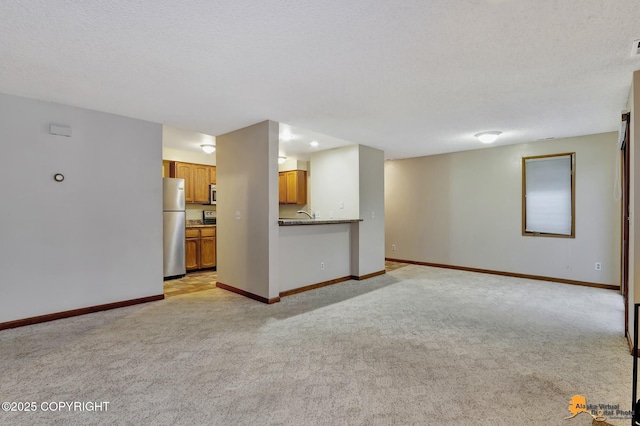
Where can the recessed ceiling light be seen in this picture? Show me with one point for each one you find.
(208, 148)
(488, 137)
(314, 143)
(281, 160)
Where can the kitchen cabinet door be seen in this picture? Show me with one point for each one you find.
(202, 177)
(282, 188)
(207, 252)
(296, 187)
(192, 254)
(212, 175)
(184, 171)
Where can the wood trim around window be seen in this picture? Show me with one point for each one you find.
(573, 196)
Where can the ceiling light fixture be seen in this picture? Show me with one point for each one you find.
(286, 136)
(314, 143)
(281, 160)
(208, 148)
(488, 137)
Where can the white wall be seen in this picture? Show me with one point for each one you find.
(93, 239)
(293, 164)
(302, 248)
(194, 211)
(368, 236)
(335, 180)
(189, 156)
(290, 211)
(465, 209)
(185, 145)
(247, 183)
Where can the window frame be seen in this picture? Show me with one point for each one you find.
(526, 233)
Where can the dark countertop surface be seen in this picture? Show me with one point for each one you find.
(296, 222)
(197, 224)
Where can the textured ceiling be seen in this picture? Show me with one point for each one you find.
(412, 77)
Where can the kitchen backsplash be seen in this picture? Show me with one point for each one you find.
(289, 211)
(194, 211)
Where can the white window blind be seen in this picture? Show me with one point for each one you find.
(548, 195)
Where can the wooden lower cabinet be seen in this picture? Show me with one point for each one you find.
(192, 254)
(200, 248)
(208, 252)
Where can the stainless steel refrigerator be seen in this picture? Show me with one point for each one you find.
(173, 226)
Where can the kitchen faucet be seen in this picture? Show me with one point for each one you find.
(311, 215)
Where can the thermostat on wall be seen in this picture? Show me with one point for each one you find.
(60, 130)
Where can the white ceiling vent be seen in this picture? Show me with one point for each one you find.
(635, 51)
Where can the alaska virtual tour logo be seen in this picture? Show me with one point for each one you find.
(599, 412)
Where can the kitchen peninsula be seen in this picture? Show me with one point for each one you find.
(315, 253)
(296, 222)
(264, 257)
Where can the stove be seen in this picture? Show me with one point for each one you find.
(209, 217)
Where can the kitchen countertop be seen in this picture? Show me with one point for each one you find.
(295, 222)
(197, 224)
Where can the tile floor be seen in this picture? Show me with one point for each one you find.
(193, 282)
(198, 281)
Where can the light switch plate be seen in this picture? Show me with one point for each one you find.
(635, 50)
(60, 130)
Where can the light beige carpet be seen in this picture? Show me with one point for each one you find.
(417, 346)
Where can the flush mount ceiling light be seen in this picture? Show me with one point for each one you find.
(286, 136)
(281, 160)
(488, 137)
(313, 143)
(208, 148)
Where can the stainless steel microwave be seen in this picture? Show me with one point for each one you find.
(213, 196)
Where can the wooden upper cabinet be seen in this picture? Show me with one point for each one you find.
(282, 188)
(184, 171)
(300, 187)
(202, 176)
(197, 178)
(292, 186)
